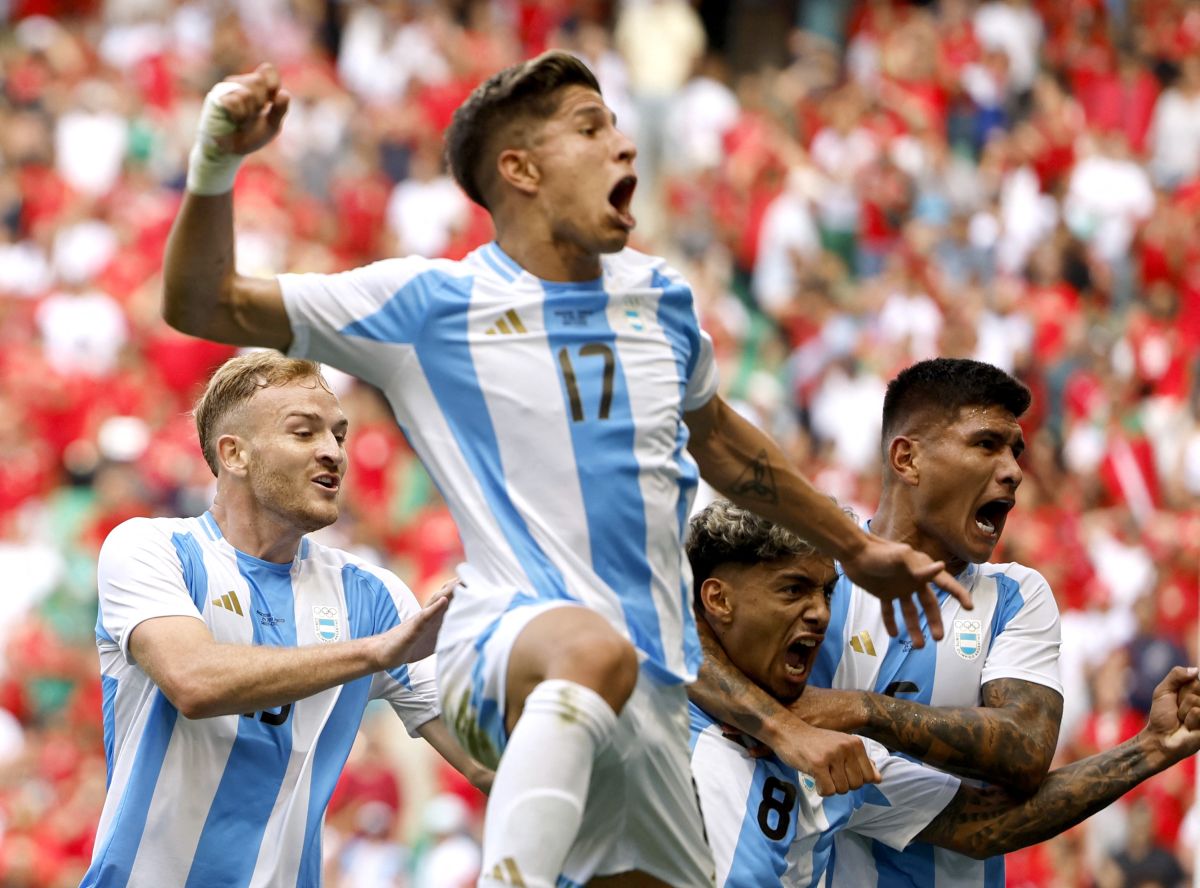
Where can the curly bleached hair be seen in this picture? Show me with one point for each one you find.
(723, 533)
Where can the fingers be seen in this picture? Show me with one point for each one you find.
(912, 619)
(889, 618)
(1175, 680)
(933, 614)
(954, 587)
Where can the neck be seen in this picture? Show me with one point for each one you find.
(895, 519)
(543, 255)
(255, 532)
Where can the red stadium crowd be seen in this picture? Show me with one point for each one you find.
(1013, 180)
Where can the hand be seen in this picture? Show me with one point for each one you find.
(255, 108)
(415, 638)
(838, 762)
(1175, 713)
(893, 571)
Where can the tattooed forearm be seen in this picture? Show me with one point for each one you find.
(985, 821)
(722, 690)
(757, 481)
(1008, 741)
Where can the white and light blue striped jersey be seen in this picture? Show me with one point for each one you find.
(768, 825)
(1013, 632)
(233, 800)
(548, 414)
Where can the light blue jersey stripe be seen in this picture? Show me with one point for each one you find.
(912, 868)
(364, 611)
(829, 654)
(370, 603)
(438, 303)
(195, 574)
(757, 859)
(1011, 602)
(108, 689)
(258, 760)
(114, 862)
(595, 396)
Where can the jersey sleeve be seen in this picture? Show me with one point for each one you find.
(139, 576)
(910, 795)
(410, 688)
(347, 319)
(1027, 638)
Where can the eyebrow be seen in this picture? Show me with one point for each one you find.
(315, 417)
(596, 110)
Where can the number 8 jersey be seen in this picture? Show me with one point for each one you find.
(767, 824)
(550, 416)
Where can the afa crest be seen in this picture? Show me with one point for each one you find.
(326, 623)
(968, 638)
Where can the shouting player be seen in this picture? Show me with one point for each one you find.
(765, 594)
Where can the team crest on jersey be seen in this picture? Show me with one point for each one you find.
(968, 638)
(325, 621)
(633, 313)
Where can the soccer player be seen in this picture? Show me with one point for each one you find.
(985, 701)
(237, 655)
(765, 593)
(553, 383)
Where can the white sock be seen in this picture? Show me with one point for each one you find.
(536, 804)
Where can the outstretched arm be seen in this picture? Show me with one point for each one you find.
(983, 822)
(203, 677)
(838, 762)
(1008, 741)
(748, 467)
(203, 295)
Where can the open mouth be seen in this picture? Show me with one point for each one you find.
(329, 482)
(989, 517)
(621, 197)
(797, 659)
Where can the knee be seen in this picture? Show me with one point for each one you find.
(602, 661)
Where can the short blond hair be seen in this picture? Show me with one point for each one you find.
(235, 382)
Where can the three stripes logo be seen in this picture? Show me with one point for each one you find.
(862, 643)
(230, 602)
(507, 327)
(506, 872)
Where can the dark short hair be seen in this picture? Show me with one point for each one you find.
(943, 386)
(722, 533)
(497, 110)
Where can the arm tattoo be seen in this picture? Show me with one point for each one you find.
(1009, 740)
(757, 481)
(985, 821)
(722, 690)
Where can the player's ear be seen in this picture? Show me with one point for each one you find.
(231, 455)
(715, 597)
(904, 459)
(517, 167)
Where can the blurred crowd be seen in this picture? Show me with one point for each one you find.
(849, 187)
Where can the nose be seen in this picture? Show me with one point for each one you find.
(816, 612)
(1009, 471)
(330, 451)
(626, 149)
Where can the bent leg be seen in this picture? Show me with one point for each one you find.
(569, 673)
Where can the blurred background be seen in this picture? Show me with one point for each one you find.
(849, 187)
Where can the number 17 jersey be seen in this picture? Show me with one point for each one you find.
(550, 416)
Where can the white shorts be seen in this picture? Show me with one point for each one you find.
(642, 811)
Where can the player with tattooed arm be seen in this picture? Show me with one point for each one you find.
(765, 595)
(985, 701)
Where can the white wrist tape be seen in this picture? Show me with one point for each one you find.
(210, 169)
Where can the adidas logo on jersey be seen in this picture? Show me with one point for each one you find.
(862, 643)
(506, 872)
(230, 602)
(513, 325)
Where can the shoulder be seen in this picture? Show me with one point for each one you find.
(137, 534)
(631, 267)
(1015, 578)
